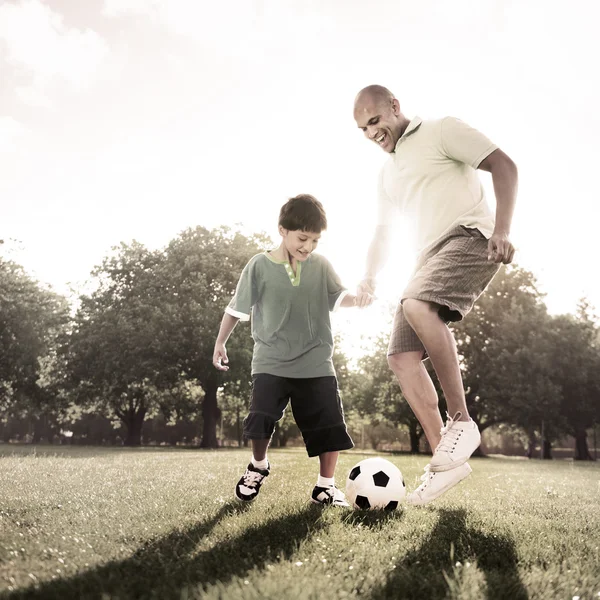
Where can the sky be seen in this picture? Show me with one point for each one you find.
(136, 119)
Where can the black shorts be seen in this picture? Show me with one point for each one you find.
(316, 405)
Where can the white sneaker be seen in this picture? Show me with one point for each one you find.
(459, 440)
(436, 483)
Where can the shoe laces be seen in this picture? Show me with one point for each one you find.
(251, 478)
(335, 494)
(426, 477)
(449, 434)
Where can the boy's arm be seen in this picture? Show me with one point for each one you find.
(220, 359)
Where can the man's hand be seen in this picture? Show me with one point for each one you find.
(500, 248)
(220, 359)
(365, 293)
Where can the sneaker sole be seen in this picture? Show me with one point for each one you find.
(448, 466)
(330, 504)
(451, 484)
(244, 499)
(451, 465)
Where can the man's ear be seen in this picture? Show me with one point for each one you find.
(396, 106)
(282, 231)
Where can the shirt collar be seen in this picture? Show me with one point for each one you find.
(412, 127)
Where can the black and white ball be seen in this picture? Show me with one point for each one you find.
(375, 483)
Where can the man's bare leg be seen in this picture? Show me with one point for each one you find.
(419, 391)
(460, 437)
(440, 344)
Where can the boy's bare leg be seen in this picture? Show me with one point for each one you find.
(249, 485)
(259, 449)
(327, 463)
(325, 492)
(419, 391)
(441, 347)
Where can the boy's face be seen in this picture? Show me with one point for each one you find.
(299, 244)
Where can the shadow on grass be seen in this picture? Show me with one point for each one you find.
(373, 519)
(421, 573)
(161, 568)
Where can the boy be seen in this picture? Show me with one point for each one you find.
(290, 291)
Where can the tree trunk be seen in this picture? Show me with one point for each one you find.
(210, 414)
(415, 438)
(547, 449)
(238, 428)
(582, 451)
(530, 444)
(134, 422)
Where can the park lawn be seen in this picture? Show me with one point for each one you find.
(161, 523)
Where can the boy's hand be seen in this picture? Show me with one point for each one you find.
(220, 359)
(363, 299)
(365, 293)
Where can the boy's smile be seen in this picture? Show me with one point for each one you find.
(299, 244)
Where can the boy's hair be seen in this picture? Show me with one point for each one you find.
(303, 212)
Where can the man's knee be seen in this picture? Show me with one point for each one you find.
(419, 309)
(405, 364)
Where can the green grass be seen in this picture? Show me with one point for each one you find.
(160, 523)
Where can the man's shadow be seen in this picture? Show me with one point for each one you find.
(424, 568)
(161, 568)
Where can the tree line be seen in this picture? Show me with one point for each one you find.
(131, 361)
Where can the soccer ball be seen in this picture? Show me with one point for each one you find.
(375, 483)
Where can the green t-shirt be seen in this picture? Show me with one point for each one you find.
(291, 328)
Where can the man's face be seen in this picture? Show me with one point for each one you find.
(300, 244)
(380, 121)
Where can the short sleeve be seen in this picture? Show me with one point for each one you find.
(463, 143)
(386, 211)
(246, 293)
(335, 290)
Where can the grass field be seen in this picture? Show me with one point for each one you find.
(161, 523)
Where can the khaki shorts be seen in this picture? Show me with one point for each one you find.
(453, 274)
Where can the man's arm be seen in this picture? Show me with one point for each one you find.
(220, 359)
(377, 256)
(505, 178)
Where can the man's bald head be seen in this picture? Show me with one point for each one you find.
(377, 113)
(374, 93)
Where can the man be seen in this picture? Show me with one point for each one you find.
(431, 179)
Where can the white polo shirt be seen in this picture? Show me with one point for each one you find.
(431, 179)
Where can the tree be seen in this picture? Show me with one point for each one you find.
(576, 369)
(196, 281)
(32, 316)
(505, 347)
(115, 353)
(152, 322)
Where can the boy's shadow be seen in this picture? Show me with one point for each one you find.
(161, 568)
(495, 556)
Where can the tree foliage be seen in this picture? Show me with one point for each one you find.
(32, 316)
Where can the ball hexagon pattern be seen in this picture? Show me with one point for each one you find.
(375, 483)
